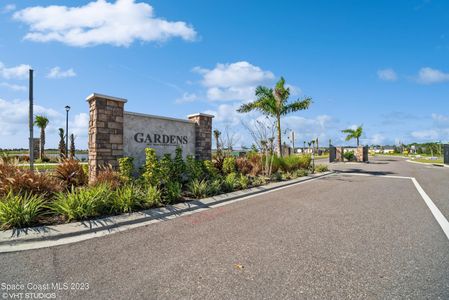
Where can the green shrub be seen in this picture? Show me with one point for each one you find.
(166, 169)
(291, 163)
(126, 167)
(71, 173)
(210, 168)
(124, 200)
(151, 171)
(214, 187)
(153, 196)
(172, 192)
(230, 182)
(179, 166)
(198, 188)
(321, 168)
(83, 203)
(304, 161)
(229, 165)
(17, 211)
(287, 175)
(243, 181)
(259, 180)
(194, 169)
(278, 163)
(350, 156)
(276, 176)
(301, 173)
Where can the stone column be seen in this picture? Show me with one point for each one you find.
(105, 132)
(36, 148)
(339, 155)
(203, 135)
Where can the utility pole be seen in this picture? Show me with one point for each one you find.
(293, 141)
(31, 120)
(67, 109)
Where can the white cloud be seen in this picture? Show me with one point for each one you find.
(428, 76)
(226, 113)
(8, 8)
(387, 74)
(14, 87)
(430, 134)
(100, 22)
(233, 82)
(57, 73)
(375, 139)
(17, 72)
(440, 119)
(14, 124)
(186, 98)
(79, 126)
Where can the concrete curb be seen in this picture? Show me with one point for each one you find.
(427, 164)
(46, 236)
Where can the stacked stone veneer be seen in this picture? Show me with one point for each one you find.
(203, 135)
(361, 154)
(105, 132)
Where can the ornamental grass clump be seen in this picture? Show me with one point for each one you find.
(229, 165)
(152, 197)
(214, 187)
(20, 210)
(82, 203)
(230, 182)
(125, 199)
(198, 188)
(321, 168)
(243, 181)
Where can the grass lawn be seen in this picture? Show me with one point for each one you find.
(428, 161)
(44, 167)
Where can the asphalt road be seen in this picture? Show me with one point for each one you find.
(338, 237)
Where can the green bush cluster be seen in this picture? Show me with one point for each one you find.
(26, 198)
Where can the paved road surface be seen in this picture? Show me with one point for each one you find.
(342, 236)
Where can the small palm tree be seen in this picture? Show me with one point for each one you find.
(41, 122)
(217, 134)
(62, 146)
(353, 134)
(273, 103)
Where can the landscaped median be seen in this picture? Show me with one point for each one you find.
(30, 199)
(52, 235)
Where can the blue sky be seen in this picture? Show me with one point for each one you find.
(383, 64)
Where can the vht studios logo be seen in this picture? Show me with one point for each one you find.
(160, 139)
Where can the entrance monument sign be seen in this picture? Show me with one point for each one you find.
(116, 133)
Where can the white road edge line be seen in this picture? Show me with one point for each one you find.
(91, 235)
(433, 208)
(439, 217)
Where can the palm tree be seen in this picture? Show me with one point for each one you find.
(353, 134)
(62, 147)
(42, 122)
(217, 134)
(273, 103)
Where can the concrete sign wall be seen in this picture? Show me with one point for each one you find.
(114, 133)
(160, 133)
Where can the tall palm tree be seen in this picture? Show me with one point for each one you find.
(41, 122)
(353, 134)
(273, 103)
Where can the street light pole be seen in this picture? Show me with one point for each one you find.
(67, 108)
(30, 121)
